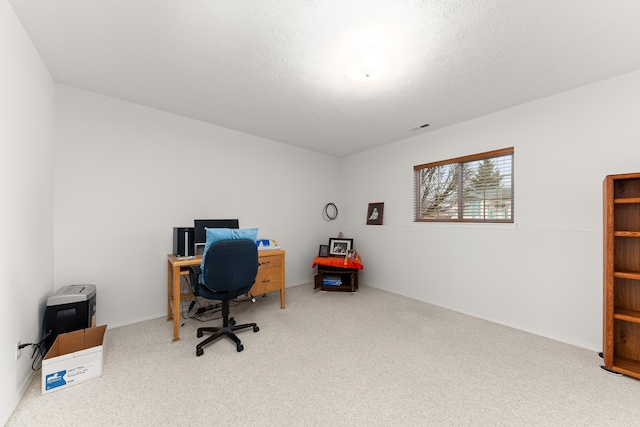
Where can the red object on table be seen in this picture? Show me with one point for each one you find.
(339, 262)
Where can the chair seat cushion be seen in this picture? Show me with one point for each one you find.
(207, 293)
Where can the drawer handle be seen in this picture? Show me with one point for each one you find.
(266, 281)
(265, 263)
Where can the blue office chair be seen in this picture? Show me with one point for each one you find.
(230, 268)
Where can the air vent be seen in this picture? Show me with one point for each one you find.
(419, 127)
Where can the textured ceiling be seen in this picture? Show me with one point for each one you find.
(276, 68)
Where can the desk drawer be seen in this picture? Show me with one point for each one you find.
(267, 280)
(269, 261)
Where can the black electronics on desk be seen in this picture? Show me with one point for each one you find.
(183, 241)
(200, 234)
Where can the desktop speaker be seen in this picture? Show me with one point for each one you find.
(183, 241)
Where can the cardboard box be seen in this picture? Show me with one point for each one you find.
(74, 357)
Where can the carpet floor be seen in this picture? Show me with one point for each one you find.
(369, 358)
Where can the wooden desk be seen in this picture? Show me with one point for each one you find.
(270, 278)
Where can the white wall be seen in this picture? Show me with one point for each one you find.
(26, 191)
(125, 175)
(543, 274)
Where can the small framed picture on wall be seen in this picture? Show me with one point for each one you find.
(374, 213)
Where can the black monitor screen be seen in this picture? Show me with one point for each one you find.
(200, 235)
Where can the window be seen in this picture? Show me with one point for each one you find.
(477, 188)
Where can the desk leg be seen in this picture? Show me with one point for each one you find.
(282, 289)
(169, 289)
(176, 303)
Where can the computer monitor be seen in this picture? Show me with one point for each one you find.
(200, 234)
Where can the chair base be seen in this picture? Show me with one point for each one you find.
(227, 330)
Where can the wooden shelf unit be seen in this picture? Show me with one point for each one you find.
(348, 277)
(621, 323)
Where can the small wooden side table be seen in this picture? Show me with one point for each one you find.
(345, 270)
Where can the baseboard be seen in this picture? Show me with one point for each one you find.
(136, 320)
(562, 339)
(8, 411)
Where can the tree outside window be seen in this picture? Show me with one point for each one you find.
(476, 188)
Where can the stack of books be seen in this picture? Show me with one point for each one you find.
(332, 281)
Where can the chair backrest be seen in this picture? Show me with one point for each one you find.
(230, 265)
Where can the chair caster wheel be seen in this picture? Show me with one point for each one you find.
(200, 334)
(240, 348)
(256, 329)
(199, 352)
(232, 321)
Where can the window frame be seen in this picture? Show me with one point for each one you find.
(459, 162)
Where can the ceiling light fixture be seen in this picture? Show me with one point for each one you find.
(369, 63)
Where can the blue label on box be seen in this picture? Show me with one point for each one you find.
(56, 379)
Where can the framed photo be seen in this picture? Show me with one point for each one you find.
(353, 254)
(374, 213)
(339, 247)
(324, 251)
